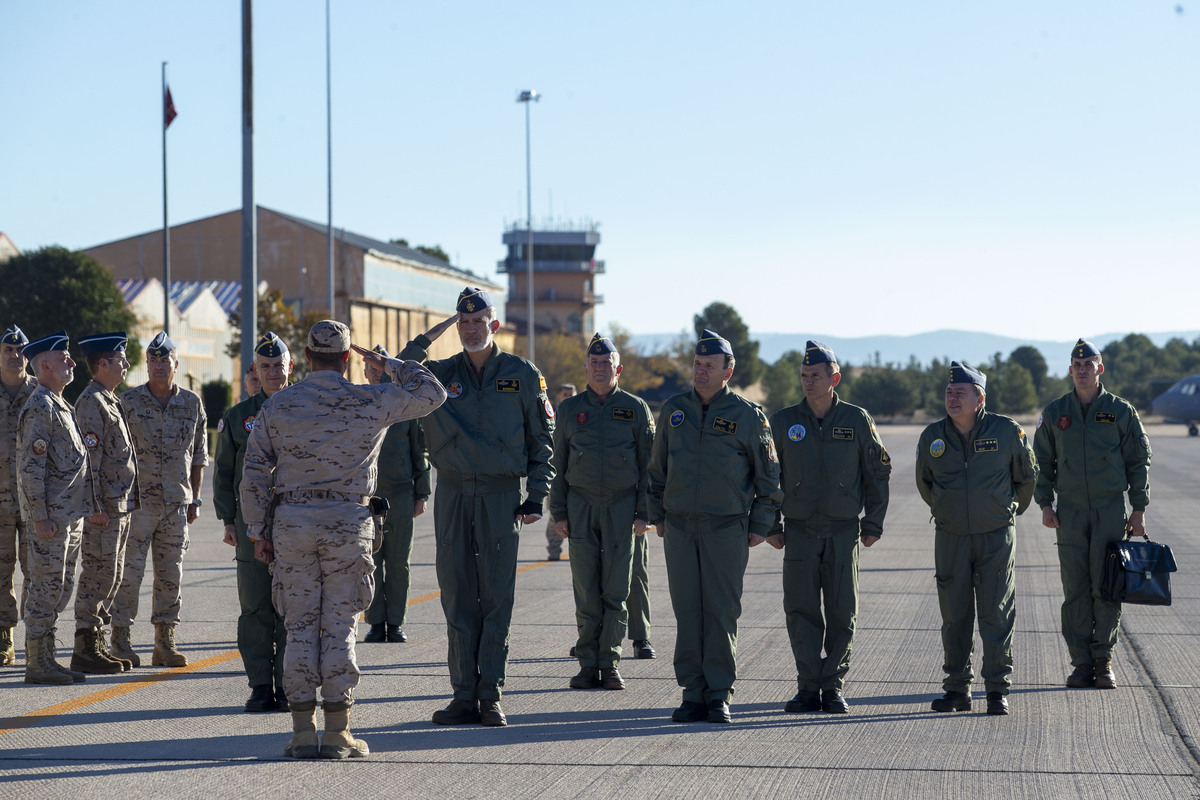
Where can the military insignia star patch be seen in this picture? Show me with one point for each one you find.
(987, 445)
(1106, 416)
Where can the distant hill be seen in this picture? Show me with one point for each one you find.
(944, 344)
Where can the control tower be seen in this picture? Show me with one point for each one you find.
(564, 277)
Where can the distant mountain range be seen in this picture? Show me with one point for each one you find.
(972, 346)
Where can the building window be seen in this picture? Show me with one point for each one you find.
(574, 324)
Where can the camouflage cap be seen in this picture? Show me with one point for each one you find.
(329, 336)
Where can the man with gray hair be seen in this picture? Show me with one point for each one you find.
(18, 386)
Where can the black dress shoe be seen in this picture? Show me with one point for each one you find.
(642, 648)
(588, 678)
(262, 698)
(396, 634)
(952, 701)
(378, 633)
(459, 712)
(718, 711)
(997, 704)
(803, 702)
(281, 701)
(832, 702)
(611, 679)
(491, 714)
(1083, 677)
(690, 712)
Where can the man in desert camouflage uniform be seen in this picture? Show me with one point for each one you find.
(168, 426)
(310, 461)
(56, 494)
(114, 472)
(18, 385)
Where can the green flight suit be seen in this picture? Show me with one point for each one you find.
(1090, 457)
(403, 479)
(601, 461)
(975, 487)
(261, 636)
(831, 471)
(714, 478)
(638, 602)
(494, 429)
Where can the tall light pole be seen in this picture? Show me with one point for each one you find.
(527, 97)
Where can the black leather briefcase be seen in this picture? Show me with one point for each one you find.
(1138, 571)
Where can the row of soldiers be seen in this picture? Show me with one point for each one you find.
(100, 486)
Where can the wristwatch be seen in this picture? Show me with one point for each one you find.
(197, 502)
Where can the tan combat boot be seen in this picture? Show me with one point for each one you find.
(102, 644)
(8, 653)
(336, 741)
(122, 646)
(88, 658)
(165, 654)
(304, 732)
(37, 670)
(49, 645)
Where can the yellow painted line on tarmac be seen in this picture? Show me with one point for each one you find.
(144, 680)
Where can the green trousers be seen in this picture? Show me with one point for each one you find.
(261, 636)
(1089, 622)
(476, 537)
(392, 562)
(820, 562)
(975, 575)
(639, 590)
(706, 560)
(601, 538)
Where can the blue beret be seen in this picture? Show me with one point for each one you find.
(472, 300)
(1084, 349)
(962, 372)
(381, 350)
(817, 353)
(55, 341)
(160, 345)
(103, 343)
(14, 335)
(271, 346)
(601, 345)
(712, 344)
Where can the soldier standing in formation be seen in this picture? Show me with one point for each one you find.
(554, 541)
(311, 459)
(168, 426)
(56, 493)
(976, 473)
(833, 467)
(18, 386)
(602, 445)
(1092, 449)
(714, 491)
(405, 483)
(494, 429)
(261, 636)
(113, 465)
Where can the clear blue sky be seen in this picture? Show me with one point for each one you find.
(1029, 168)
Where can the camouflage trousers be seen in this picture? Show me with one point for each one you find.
(13, 550)
(102, 562)
(162, 533)
(51, 577)
(322, 579)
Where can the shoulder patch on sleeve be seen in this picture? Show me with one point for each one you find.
(221, 425)
(90, 439)
(39, 447)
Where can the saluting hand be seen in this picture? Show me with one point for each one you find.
(437, 330)
(369, 356)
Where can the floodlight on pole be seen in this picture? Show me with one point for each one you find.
(526, 97)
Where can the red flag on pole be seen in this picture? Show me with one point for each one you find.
(169, 112)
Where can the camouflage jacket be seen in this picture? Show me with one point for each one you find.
(168, 441)
(10, 412)
(52, 465)
(109, 447)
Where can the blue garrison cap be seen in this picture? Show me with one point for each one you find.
(103, 343)
(270, 346)
(472, 300)
(601, 345)
(55, 341)
(160, 345)
(381, 350)
(817, 353)
(712, 344)
(962, 372)
(14, 335)
(1084, 349)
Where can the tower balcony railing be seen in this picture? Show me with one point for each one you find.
(519, 265)
(547, 296)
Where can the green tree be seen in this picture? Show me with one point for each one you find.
(275, 315)
(723, 319)
(1016, 394)
(54, 288)
(1031, 359)
(885, 392)
(781, 381)
(430, 250)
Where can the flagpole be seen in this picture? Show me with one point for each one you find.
(329, 157)
(166, 229)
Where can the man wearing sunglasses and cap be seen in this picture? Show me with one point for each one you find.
(18, 386)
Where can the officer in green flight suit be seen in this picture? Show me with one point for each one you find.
(976, 473)
(261, 636)
(833, 467)
(714, 491)
(1092, 449)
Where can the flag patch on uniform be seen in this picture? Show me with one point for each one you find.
(843, 434)
(1106, 416)
(987, 445)
(541, 383)
(508, 385)
(623, 413)
(724, 425)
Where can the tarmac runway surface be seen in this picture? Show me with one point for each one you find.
(182, 733)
